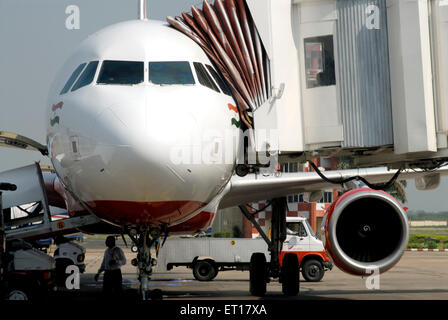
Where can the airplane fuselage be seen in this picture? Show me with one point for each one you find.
(140, 144)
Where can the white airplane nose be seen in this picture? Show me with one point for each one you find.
(153, 129)
(139, 157)
(142, 146)
(145, 138)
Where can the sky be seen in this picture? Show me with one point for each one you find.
(34, 44)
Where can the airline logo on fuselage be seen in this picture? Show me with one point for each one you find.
(55, 107)
(235, 122)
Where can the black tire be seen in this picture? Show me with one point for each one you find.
(155, 294)
(24, 288)
(258, 274)
(216, 272)
(204, 270)
(17, 293)
(290, 275)
(312, 270)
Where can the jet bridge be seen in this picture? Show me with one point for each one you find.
(363, 78)
(37, 223)
(360, 78)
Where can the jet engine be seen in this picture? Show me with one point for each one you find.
(365, 231)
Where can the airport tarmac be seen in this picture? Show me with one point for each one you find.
(418, 276)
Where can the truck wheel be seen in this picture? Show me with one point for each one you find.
(312, 270)
(23, 288)
(290, 275)
(215, 273)
(17, 294)
(204, 270)
(257, 271)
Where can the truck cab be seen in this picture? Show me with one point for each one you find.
(301, 240)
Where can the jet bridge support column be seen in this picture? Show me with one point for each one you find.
(278, 234)
(260, 271)
(251, 218)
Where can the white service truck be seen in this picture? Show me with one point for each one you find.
(25, 272)
(207, 256)
(67, 253)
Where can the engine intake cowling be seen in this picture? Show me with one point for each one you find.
(365, 229)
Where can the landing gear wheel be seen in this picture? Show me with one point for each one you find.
(258, 274)
(290, 275)
(204, 270)
(312, 271)
(143, 240)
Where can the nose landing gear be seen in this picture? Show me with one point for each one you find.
(143, 240)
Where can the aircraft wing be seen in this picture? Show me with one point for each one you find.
(254, 188)
(13, 140)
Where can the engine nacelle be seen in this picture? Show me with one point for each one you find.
(364, 230)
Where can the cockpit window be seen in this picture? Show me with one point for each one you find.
(121, 72)
(72, 78)
(170, 72)
(219, 80)
(87, 76)
(203, 77)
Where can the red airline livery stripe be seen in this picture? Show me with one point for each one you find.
(196, 224)
(144, 213)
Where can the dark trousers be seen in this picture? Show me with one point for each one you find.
(112, 282)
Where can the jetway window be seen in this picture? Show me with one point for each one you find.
(319, 62)
(170, 72)
(72, 78)
(87, 76)
(219, 80)
(121, 72)
(290, 167)
(293, 198)
(327, 197)
(204, 77)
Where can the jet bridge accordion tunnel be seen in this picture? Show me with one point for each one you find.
(360, 78)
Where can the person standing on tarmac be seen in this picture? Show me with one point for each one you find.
(113, 259)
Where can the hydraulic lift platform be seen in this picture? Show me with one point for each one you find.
(37, 223)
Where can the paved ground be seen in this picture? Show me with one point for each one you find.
(419, 275)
